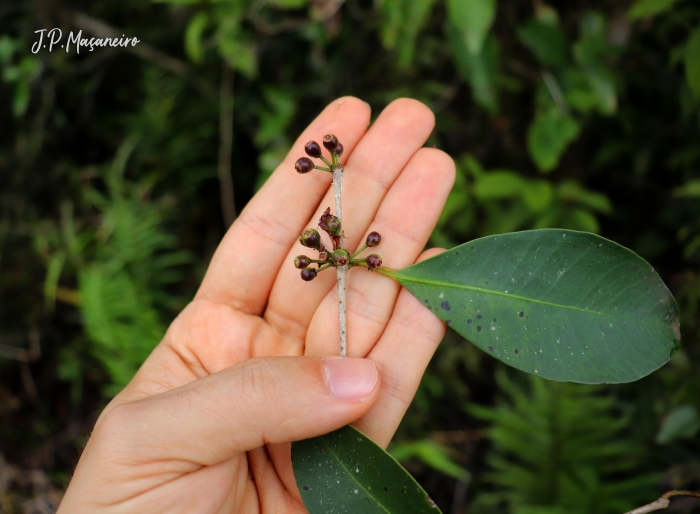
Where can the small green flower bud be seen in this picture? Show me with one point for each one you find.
(310, 238)
(304, 165)
(334, 226)
(312, 149)
(330, 142)
(323, 256)
(373, 239)
(340, 257)
(339, 150)
(374, 261)
(308, 274)
(301, 262)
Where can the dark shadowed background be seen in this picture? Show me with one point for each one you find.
(115, 188)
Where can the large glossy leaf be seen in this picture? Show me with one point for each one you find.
(561, 304)
(346, 472)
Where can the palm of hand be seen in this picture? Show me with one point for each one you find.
(253, 304)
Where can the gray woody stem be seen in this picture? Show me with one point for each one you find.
(342, 271)
(659, 504)
(662, 502)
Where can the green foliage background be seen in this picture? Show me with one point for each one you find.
(573, 114)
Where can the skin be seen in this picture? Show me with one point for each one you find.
(205, 425)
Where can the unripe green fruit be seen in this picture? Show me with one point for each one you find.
(310, 238)
(374, 261)
(334, 226)
(312, 149)
(340, 257)
(304, 165)
(301, 262)
(330, 142)
(373, 239)
(308, 274)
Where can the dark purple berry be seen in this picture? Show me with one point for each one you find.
(330, 142)
(339, 150)
(308, 274)
(313, 149)
(374, 261)
(301, 262)
(304, 165)
(334, 226)
(310, 238)
(373, 239)
(340, 257)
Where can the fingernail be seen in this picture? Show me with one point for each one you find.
(350, 379)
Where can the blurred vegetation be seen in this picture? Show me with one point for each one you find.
(579, 114)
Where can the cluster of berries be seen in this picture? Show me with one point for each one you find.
(338, 257)
(328, 223)
(313, 149)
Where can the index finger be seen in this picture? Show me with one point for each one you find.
(245, 264)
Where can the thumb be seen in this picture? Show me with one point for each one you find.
(262, 400)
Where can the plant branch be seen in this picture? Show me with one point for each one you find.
(555, 92)
(662, 502)
(341, 271)
(659, 504)
(228, 204)
(102, 30)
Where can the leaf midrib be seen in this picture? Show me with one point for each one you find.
(350, 474)
(506, 295)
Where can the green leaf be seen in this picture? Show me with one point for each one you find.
(20, 102)
(546, 40)
(692, 61)
(591, 52)
(549, 135)
(345, 471)
(431, 453)
(53, 274)
(193, 36)
(579, 92)
(572, 191)
(580, 219)
(499, 184)
(682, 423)
(690, 189)
(538, 195)
(288, 4)
(402, 21)
(648, 8)
(564, 305)
(8, 47)
(240, 54)
(479, 70)
(473, 19)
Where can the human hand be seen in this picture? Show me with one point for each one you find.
(205, 425)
